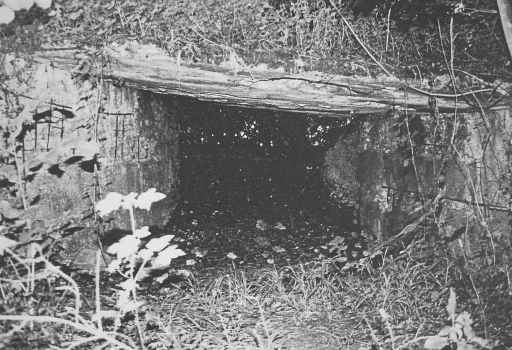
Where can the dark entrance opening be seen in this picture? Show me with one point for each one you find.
(254, 179)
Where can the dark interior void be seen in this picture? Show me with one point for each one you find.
(247, 173)
(239, 163)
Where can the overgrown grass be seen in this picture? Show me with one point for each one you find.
(293, 301)
(310, 305)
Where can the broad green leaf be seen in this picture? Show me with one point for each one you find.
(465, 346)
(17, 285)
(8, 172)
(147, 198)
(7, 211)
(464, 319)
(142, 232)
(145, 254)
(128, 284)
(452, 303)
(127, 246)
(114, 265)
(123, 298)
(480, 341)
(157, 244)
(75, 15)
(25, 4)
(436, 343)
(166, 255)
(130, 306)
(110, 203)
(14, 5)
(445, 331)
(129, 200)
(163, 278)
(469, 332)
(456, 333)
(44, 4)
(6, 243)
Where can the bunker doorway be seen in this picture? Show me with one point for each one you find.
(258, 173)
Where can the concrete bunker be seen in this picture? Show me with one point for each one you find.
(382, 166)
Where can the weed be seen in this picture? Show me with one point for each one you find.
(35, 267)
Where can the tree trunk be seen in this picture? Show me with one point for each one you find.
(505, 8)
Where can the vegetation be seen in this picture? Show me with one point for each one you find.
(407, 37)
(430, 286)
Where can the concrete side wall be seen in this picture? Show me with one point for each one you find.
(464, 159)
(137, 136)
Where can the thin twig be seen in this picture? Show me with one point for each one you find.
(98, 299)
(359, 40)
(455, 95)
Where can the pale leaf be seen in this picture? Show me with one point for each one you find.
(17, 285)
(157, 244)
(469, 332)
(435, 343)
(482, 342)
(110, 203)
(129, 200)
(127, 246)
(123, 299)
(114, 266)
(184, 273)
(128, 284)
(464, 319)
(8, 172)
(25, 4)
(280, 226)
(145, 254)
(8, 211)
(13, 4)
(143, 273)
(6, 15)
(465, 346)
(452, 303)
(445, 331)
(165, 256)
(337, 241)
(147, 198)
(130, 306)
(142, 232)
(456, 332)
(163, 278)
(6, 243)
(44, 4)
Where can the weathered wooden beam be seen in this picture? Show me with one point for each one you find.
(234, 84)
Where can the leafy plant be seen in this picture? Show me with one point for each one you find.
(10, 6)
(24, 271)
(128, 252)
(460, 334)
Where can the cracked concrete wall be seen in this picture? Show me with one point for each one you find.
(463, 158)
(135, 136)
